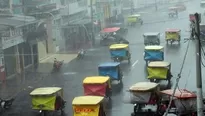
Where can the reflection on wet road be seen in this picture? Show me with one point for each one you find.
(72, 74)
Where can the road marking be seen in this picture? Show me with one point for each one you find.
(70, 73)
(134, 63)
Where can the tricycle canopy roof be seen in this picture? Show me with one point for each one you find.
(119, 46)
(151, 34)
(154, 47)
(109, 64)
(180, 93)
(143, 86)
(173, 30)
(109, 30)
(159, 64)
(87, 100)
(173, 8)
(96, 80)
(135, 15)
(45, 91)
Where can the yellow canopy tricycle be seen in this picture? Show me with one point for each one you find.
(120, 52)
(159, 70)
(132, 20)
(88, 106)
(172, 35)
(47, 99)
(97, 86)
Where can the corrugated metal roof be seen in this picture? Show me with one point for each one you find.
(3, 27)
(15, 21)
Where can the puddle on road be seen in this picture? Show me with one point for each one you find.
(70, 73)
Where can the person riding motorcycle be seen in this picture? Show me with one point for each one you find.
(56, 63)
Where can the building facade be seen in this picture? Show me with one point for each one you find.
(77, 27)
(48, 14)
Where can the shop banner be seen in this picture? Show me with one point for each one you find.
(84, 110)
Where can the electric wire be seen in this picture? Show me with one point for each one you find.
(177, 80)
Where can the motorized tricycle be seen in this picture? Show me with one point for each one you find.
(132, 20)
(5, 104)
(112, 70)
(146, 99)
(172, 35)
(97, 86)
(122, 31)
(88, 106)
(153, 53)
(173, 12)
(120, 52)
(158, 71)
(183, 103)
(107, 36)
(47, 99)
(151, 38)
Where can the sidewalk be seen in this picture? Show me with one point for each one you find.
(46, 65)
(32, 76)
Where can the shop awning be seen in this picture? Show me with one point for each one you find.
(77, 23)
(17, 21)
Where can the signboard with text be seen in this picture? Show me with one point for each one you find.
(12, 41)
(4, 4)
(86, 110)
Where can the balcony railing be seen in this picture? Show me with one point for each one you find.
(82, 3)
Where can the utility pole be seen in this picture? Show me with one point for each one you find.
(92, 22)
(198, 68)
(156, 5)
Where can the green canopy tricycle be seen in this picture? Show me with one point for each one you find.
(132, 20)
(47, 99)
(159, 70)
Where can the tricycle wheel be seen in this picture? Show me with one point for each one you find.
(129, 61)
(43, 113)
(132, 114)
(62, 112)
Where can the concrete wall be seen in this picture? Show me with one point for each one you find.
(75, 8)
(42, 53)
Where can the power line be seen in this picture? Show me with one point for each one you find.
(177, 80)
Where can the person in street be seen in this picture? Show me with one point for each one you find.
(176, 13)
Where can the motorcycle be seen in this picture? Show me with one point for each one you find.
(57, 64)
(81, 54)
(6, 104)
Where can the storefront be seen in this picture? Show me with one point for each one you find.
(10, 60)
(78, 34)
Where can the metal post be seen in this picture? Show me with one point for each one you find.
(92, 22)
(198, 69)
(156, 5)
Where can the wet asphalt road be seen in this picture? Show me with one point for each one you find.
(71, 76)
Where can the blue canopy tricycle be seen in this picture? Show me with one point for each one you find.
(120, 52)
(111, 69)
(153, 53)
